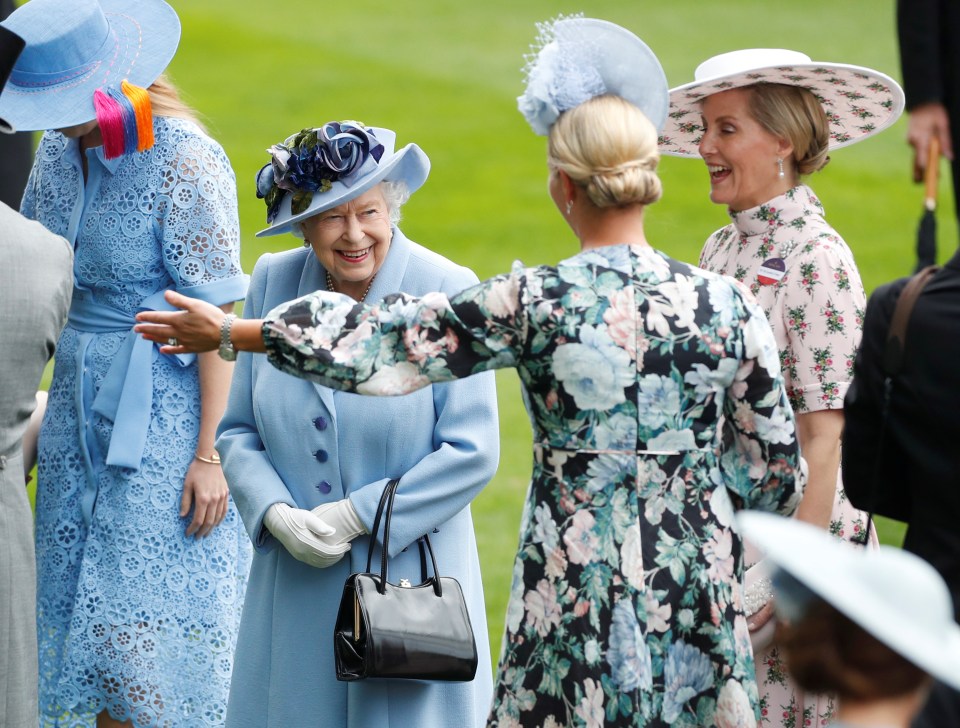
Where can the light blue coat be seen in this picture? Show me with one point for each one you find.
(284, 439)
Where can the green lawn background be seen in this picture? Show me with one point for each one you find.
(445, 74)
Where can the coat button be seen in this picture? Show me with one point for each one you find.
(320, 423)
(321, 456)
(324, 487)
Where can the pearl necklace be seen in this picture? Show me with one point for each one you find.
(331, 288)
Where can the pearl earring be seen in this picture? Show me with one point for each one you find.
(780, 167)
(306, 243)
(569, 206)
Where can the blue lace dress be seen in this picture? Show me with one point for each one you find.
(133, 616)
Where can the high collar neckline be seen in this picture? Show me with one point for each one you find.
(797, 202)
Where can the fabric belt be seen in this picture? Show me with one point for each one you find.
(126, 393)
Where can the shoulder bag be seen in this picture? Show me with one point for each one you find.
(885, 498)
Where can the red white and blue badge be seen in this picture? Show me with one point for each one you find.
(771, 271)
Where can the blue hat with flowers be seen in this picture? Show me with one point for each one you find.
(76, 48)
(319, 168)
(578, 58)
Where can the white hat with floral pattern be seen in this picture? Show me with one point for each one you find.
(858, 101)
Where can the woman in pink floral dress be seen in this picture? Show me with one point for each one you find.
(761, 119)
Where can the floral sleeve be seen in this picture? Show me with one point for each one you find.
(761, 460)
(823, 308)
(399, 344)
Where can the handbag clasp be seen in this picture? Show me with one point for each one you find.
(405, 583)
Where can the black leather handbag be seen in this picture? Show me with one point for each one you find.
(417, 632)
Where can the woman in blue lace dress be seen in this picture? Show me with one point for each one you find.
(657, 404)
(142, 559)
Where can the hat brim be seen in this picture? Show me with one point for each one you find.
(895, 596)
(409, 165)
(859, 102)
(147, 35)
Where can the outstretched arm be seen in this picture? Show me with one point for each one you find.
(391, 347)
(196, 327)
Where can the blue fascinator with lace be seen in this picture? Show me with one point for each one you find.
(577, 58)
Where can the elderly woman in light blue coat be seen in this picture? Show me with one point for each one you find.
(306, 465)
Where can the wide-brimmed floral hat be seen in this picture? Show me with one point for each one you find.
(576, 59)
(322, 167)
(11, 45)
(894, 595)
(858, 101)
(77, 48)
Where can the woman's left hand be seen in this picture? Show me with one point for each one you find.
(196, 328)
(205, 490)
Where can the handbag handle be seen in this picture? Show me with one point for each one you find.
(385, 510)
(386, 504)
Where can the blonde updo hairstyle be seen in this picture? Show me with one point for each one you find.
(609, 148)
(794, 113)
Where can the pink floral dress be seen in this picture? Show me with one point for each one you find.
(804, 277)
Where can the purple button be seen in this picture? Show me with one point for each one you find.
(321, 456)
(324, 487)
(320, 423)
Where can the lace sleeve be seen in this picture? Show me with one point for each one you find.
(197, 210)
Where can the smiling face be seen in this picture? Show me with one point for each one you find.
(741, 155)
(351, 240)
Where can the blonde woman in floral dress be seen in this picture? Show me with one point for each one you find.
(761, 120)
(626, 607)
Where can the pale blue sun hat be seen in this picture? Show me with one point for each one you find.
(893, 595)
(576, 59)
(322, 167)
(76, 47)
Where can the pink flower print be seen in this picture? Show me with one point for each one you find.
(543, 611)
(580, 540)
(718, 551)
(556, 566)
(590, 710)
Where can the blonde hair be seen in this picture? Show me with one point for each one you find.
(165, 101)
(608, 147)
(795, 114)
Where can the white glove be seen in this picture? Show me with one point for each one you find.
(343, 517)
(304, 535)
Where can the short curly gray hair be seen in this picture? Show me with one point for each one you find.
(395, 194)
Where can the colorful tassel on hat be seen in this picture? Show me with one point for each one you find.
(110, 119)
(125, 119)
(141, 106)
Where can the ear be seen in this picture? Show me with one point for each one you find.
(784, 148)
(568, 186)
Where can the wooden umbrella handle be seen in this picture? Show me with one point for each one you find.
(932, 173)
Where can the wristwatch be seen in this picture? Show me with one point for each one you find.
(227, 352)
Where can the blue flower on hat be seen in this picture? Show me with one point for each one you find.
(312, 160)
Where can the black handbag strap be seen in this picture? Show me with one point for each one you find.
(385, 511)
(897, 334)
(892, 363)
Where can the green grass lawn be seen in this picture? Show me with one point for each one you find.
(445, 74)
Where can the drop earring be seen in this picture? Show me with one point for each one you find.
(306, 243)
(569, 206)
(780, 167)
